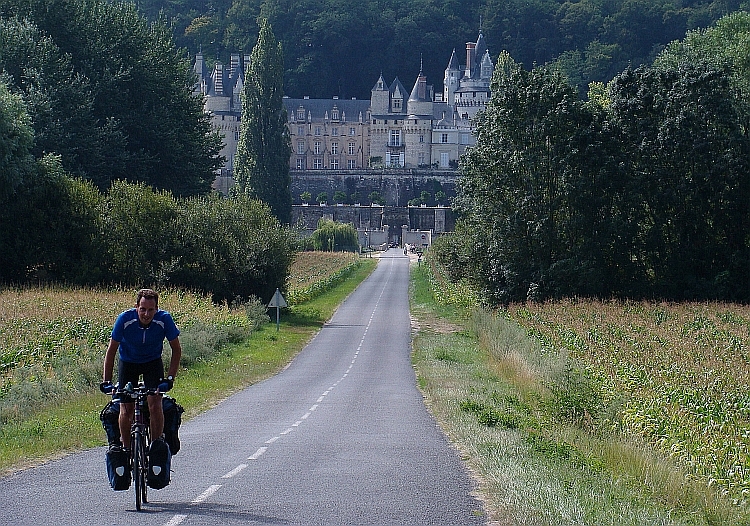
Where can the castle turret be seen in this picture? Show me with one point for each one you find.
(379, 97)
(450, 81)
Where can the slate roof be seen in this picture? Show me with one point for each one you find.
(317, 108)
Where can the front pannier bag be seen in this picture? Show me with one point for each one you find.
(118, 468)
(159, 465)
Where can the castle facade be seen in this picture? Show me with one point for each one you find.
(395, 128)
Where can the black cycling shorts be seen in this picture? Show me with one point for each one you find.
(152, 372)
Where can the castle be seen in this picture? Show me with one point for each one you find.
(396, 128)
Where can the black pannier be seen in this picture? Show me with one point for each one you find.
(159, 465)
(172, 421)
(109, 417)
(118, 468)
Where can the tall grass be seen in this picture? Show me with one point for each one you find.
(52, 339)
(544, 429)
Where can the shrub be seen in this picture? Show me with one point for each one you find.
(335, 237)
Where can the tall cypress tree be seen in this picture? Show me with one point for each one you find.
(264, 147)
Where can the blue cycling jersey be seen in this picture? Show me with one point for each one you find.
(143, 344)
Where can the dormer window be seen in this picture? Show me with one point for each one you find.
(301, 114)
(335, 114)
(397, 104)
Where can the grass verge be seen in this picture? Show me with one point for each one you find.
(509, 408)
(72, 423)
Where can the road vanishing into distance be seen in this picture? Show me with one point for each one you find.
(340, 437)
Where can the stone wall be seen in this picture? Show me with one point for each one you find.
(397, 187)
(391, 219)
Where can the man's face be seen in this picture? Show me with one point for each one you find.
(146, 309)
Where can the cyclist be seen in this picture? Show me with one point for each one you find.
(139, 335)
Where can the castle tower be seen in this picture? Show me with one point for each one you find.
(450, 81)
(380, 97)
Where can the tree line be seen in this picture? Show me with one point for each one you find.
(107, 160)
(339, 47)
(640, 190)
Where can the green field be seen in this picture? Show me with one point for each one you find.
(52, 342)
(588, 412)
(574, 412)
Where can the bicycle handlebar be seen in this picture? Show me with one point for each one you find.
(133, 392)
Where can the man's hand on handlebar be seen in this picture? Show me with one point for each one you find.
(107, 387)
(165, 384)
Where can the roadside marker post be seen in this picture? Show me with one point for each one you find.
(277, 301)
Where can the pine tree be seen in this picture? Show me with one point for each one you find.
(262, 161)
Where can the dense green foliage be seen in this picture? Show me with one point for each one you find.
(339, 47)
(109, 92)
(262, 162)
(334, 237)
(643, 191)
(230, 248)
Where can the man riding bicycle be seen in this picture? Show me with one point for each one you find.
(139, 335)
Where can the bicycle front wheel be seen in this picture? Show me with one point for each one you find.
(139, 466)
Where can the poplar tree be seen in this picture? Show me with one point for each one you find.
(262, 161)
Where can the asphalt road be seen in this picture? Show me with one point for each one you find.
(340, 437)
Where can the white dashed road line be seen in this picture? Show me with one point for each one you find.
(178, 519)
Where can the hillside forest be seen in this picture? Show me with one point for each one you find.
(339, 47)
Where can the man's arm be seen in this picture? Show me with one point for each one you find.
(174, 363)
(109, 360)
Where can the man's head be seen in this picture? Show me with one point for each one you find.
(147, 303)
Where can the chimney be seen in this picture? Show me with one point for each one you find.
(470, 51)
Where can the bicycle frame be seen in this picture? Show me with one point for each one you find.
(140, 441)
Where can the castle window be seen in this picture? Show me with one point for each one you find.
(301, 114)
(395, 138)
(352, 147)
(396, 104)
(334, 148)
(334, 131)
(352, 131)
(334, 164)
(351, 164)
(300, 130)
(318, 163)
(300, 147)
(300, 163)
(335, 114)
(317, 148)
(318, 130)
(444, 138)
(421, 138)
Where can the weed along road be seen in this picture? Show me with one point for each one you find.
(340, 437)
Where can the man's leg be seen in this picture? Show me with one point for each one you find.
(125, 421)
(156, 416)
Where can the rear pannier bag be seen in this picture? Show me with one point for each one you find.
(172, 421)
(118, 468)
(109, 417)
(159, 464)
